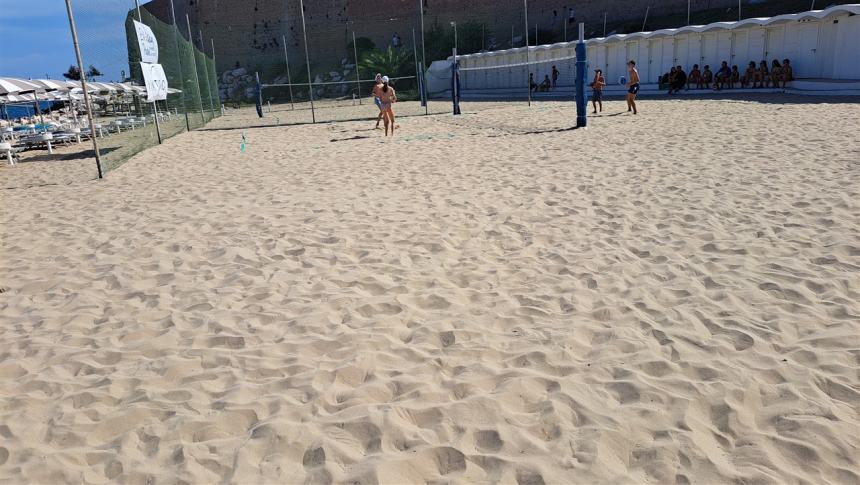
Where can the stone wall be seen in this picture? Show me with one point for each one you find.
(248, 34)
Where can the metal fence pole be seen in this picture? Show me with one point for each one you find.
(179, 58)
(357, 75)
(308, 61)
(289, 80)
(215, 72)
(209, 88)
(154, 105)
(84, 87)
(528, 79)
(196, 76)
(423, 56)
(415, 56)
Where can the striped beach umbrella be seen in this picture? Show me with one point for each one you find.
(50, 84)
(11, 85)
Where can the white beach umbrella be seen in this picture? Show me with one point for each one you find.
(11, 85)
(104, 88)
(123, 88)
(50, 84)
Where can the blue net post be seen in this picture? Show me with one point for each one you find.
(421, 89)
(581, 63)
(455, 83)
(259, 96)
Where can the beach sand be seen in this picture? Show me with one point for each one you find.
(491, 298)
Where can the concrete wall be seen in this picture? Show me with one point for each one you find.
(249, 32)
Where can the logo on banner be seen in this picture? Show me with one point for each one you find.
(147, 43)
(155, 80)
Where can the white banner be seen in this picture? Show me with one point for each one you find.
(146, 41)
(156, 81)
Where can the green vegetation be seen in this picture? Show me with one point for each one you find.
(73, 74)
(392, 62)
(363, 45)
(471, 37)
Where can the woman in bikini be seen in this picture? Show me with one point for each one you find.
(749, 76)
(387, 98)
(776, 73)
(762, 75)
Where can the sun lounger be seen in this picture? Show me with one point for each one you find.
(9, 152)
(38, 140)
(100, 131)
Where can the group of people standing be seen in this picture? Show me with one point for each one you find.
(754, 76)
(384, 97)
(631, 83)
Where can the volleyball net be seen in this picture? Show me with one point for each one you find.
(527, 78)
(320, 101)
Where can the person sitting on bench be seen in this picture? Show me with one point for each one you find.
(546, 84)
(707, 77)
(694, 77)
(749, 75)
(722, 77)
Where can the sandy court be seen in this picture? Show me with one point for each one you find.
(491, 298)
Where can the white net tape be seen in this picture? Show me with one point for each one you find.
(518, 64)
(277, 85)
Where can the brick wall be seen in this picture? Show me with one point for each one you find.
(249, 32)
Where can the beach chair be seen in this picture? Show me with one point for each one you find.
(9, 152)
(87, 132)
(40, 139)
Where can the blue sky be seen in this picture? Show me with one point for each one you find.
(35, 39)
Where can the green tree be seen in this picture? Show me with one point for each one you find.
(363, 45)
(73, 74)
(471, 38)
(390, 62)
(93, 73)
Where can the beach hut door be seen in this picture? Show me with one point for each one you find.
(756, 46)
(668, 54)
(740, 50)
(807, 55)
(694, 42)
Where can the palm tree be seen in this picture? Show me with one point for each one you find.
(390, 62)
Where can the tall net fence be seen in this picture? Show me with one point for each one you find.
(324, 72)
(125, 123)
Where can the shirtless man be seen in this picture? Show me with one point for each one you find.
(632, 87)
(376, 92)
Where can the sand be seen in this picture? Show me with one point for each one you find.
(493, 298)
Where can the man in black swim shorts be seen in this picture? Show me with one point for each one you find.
(632, 86)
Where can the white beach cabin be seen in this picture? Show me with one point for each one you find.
(823, 46)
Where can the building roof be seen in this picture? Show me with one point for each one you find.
(851, 9)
